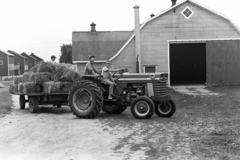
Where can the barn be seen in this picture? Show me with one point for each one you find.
(191, 42)
(20, 63)
(6, 63)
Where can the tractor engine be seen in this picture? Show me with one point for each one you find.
(145, 84)
(134, 90)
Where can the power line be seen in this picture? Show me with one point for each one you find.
(38, 43)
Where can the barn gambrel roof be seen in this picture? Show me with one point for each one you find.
(171, 8)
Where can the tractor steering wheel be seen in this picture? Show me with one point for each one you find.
(122, 70)
(113, 75)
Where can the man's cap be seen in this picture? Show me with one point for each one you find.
(108, 61)
(53, 57)
(91, 57)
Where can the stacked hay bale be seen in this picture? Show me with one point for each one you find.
(46, 77)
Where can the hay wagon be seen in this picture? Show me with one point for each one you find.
(42, 98)
(44, 84)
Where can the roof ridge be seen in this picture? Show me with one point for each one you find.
(13, 52)
(28, 56)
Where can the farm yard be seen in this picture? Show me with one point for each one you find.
(204, 127)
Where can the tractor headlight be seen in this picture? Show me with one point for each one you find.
(163, 77)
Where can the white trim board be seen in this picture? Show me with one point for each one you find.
(201, 40)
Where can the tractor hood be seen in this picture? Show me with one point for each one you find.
(143, 76)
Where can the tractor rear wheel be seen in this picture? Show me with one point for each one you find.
(33, 104)
(86, 99)
(142, 107)
(117, 108)
(165, 109)
(22, 101)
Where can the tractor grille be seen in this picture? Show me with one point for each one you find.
(160, 89)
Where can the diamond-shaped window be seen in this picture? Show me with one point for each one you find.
(187, 12)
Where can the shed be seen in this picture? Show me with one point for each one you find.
(6, 63)
(36, 57)
(185, 41)
(19, 62)
(31, 60)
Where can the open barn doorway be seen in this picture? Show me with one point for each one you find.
(187, 63)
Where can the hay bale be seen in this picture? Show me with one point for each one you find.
(46, 67)
(58, 67)
(70, 76)
(57, 75)
(21, 87)
(34, 69)
(40, 77)
(13, 88)
(66, 87)
(51, 87)
(67, 75)
(32, 87)
(18, 79)
(26, 76)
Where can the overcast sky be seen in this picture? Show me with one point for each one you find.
(42, 26)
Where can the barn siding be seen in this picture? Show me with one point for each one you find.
(26, 65)
(174, 26)
(223, 62)
(11, 66)
(20, 60)
(4, 67)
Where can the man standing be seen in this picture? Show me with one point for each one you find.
(89, 69)
(107, 77)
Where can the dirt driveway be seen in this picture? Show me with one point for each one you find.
(204, 127)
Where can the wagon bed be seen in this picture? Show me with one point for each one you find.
(41, 98)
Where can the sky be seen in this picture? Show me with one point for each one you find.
(42, 26)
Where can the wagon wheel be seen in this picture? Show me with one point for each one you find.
(22, 101)
(86, 99)
(142, 108)
(165, 109)
(33, 104)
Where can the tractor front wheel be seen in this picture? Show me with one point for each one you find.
(165, 108)
(86, 100)
(142, 108)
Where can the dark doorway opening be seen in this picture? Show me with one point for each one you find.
(187, 63)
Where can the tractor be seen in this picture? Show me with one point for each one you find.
(145, 93)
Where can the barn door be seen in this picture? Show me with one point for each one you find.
(187, 63)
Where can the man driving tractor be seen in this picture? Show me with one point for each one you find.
(107, 77)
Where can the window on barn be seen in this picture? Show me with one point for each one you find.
(187, 12)
(150, 69)
(1, 62)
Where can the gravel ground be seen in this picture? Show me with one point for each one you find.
(204, 127)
